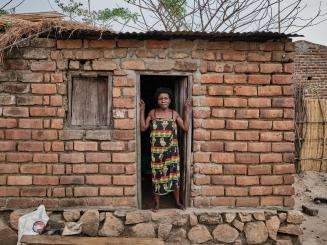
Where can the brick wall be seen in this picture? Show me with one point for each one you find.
(242, 117)
(311, 67)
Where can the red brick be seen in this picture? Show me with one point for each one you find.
(123, 157)
(130, 169)
(284, 169)
(212, 78)
(223, 157)
(199, 134)
(9, 168)
(245, 90)
(271, 201)
(85, 146)
(220, 90)
(247, 201)
(18, 134)
(222, 135)
(271, 180)
(222, 180)
(201, 157)
(269, 90)
(201, 112)
(246, 68)
(19, 157)
(69, 44)
(98, 180)
(111, 169)
(8, 123)
(235, 102)
(283, 102)
(212, 191)
(247, 180)
(124, 180)
(85, 191)
(208, 101)
(212, 146)
(7, 145)
(259, 147)
(235, 79)
(248, 158)
(85, 168)
(271, 113)
(282, 79)
(111, 191)
(199, 90)
(234, 56)
(30, 146)
(288, 68)
(236, 146)
(258, 124)
(72, 180)
(283, 190)
(124, 102)
(259, 102)
(289, 202)
(30, 123)
(45, 157)
(289, 113)
(33, 192)
(213, 123)
(283, 125)
(235, 169)
(58, 192)
(247, 113)
(43, 66)
(259, 79)
(289, 179)
(271, 158)
(58, 169)
(57, 146)
(222, 201)
(43, 111)
(271, 68)
(288, 90)
(236, 191)
(72, 157)
(57, 123)
(247, 135)
(236, 124)
(260, 190)
(44, 88)
(19, 180)
(8, 191)
(272, 46)
(201, 179)
(283, 147)
(271, 136)
(259, 56)
(259, 169)
(124, 124)
(15, 112)
(98, 157)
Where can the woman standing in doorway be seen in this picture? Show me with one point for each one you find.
(165, 159)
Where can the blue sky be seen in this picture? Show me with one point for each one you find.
(316, 34)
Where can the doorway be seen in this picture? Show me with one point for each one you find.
(148, 86)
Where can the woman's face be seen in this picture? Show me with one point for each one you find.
(164, 100)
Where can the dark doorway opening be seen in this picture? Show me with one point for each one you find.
(148, 86)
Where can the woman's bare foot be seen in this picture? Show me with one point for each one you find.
(180, 206)
(155, 207)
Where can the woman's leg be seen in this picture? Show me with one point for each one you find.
(176, 196)
(156, 202)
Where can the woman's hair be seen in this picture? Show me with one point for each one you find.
(168, 91)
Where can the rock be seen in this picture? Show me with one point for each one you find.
(210, 219)
(238, 224)
(143, 230)
(164, 230)
(72, 228)
(199, 234)
(112, 226)
(255, 232)
(284, 242)
(71, 215)
(120, 213)
(136, 217)
(56, 221)
(282, 217)
(309, 211)
(7, 235)
(181, 220)
(259, 216)
(225, 233)
(294, 217)
(102, 216)
(178, 237)
(229, 217)
(245, 217)
(291, 229)
(14, 217)
(90, 222)
(193, 220)
(272, 225)
(166, 216)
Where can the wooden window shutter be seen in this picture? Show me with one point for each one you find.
(89, 102)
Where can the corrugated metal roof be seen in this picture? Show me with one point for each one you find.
(167, 35)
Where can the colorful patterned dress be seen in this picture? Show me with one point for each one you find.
(164, 155)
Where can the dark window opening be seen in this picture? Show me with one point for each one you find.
(149, 84)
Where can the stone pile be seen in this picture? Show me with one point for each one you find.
(181, 227)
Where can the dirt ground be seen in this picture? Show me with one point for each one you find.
(309, 185)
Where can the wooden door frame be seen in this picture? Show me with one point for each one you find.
(188, 82)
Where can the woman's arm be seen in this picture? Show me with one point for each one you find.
(184, 124)
(145, 123)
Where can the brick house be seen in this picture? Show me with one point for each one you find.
(69, 125)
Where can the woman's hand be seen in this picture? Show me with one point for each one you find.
(188, 106)
(142, 105)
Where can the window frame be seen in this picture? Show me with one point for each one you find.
(71, 77)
